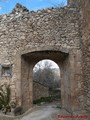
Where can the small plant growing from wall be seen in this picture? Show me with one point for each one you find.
(5, 98)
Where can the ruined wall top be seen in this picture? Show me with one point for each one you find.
(22, 9)
(19, 9)
(74, 3)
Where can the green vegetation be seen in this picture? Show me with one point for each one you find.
(5, 95)
(45, 99)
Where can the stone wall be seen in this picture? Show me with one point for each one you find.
(84, 23)
(85, 31)
(39, 91)
(23, 34)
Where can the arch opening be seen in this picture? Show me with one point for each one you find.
(46, 82)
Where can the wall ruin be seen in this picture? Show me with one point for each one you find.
(56, 32)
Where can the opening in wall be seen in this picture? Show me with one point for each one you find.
(46, 83)
(6, 70)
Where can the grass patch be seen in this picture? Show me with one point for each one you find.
(46, 99)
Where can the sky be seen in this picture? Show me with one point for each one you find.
(46, 63)
(6, 6)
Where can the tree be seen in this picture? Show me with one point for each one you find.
(44, 73)
(58, 3)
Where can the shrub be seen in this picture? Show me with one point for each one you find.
(5, 97)
(44, 99)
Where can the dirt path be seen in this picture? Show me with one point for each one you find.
(45, 112)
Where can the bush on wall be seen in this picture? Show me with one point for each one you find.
(5, 98)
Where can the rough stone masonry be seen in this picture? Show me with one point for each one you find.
(59, 34)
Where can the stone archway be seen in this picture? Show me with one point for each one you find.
(69, 61)
(28, 61)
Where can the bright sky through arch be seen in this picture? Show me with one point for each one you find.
(6, 6)
(50, 63)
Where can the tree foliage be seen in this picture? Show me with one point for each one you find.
(58, 3)
(45, 74)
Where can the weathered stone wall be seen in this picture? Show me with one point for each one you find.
(85, 32)
(39, 91)
(84, 23)
(51, 29)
